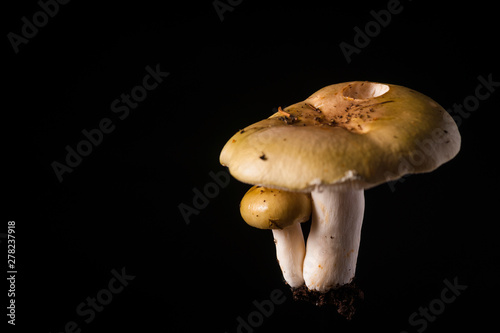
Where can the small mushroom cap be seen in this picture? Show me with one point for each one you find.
(359, 134)
(266, 208)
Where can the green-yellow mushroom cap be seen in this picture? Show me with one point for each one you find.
(267, 208)
(357, 134)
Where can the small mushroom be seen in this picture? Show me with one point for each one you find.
(387, 132)
(282, 212)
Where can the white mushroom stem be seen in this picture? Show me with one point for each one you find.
(290, 250)
(333, 241)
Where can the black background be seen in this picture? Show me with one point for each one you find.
(119, 207)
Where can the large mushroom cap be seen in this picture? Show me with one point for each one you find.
(356, 133)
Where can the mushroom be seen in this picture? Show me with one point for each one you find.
(282, 212)
(343, 139)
